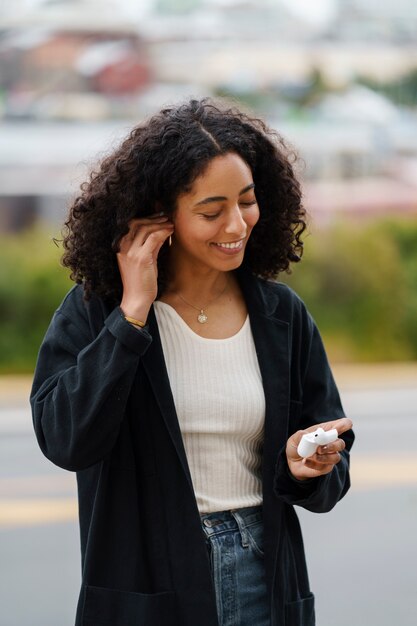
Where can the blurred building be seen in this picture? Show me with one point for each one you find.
(349, 168)
(71, 73)
(43, 164)
(373, 20)
(103, 65)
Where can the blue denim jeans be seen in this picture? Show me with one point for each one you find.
(235, 544)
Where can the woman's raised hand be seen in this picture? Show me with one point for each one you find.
(137, 260)
(325, 458)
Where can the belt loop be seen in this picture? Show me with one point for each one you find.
(242, 528)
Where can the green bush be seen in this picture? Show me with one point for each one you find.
(404, 235)
(32, 284)
(360, 283)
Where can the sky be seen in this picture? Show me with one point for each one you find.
(316, 11)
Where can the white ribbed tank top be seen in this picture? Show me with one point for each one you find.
(220, 403)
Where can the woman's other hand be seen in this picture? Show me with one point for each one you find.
(137, 260)
(325, 457)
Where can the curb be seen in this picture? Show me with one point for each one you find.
(361, 376)
(15, 390)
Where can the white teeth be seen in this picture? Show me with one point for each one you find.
(236, 244)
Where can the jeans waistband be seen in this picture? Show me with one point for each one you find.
(221, 521)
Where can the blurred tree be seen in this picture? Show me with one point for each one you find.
(316, 87)
(402, 91)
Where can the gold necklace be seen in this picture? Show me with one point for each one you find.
(202, 316)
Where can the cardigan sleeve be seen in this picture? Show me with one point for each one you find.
(319, 401)
(82, 382)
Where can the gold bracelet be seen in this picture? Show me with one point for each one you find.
(132, 320)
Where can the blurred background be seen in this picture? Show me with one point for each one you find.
(338, 79)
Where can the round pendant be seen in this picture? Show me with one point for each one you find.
(202, 318)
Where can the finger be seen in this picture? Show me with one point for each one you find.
(296, 437)
(149, 219)
(342, 425)
(328, 459)
(146, 230)
(331, 448)
(156, 239)
(137, 222)
(321, 468)
(157, 249)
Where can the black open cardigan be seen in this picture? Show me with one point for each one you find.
(102, 406)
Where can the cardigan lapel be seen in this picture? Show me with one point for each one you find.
(271, 338)
(154, 364)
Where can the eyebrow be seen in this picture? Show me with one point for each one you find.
(220, 198)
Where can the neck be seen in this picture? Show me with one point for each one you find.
(198, 287)
(198, 282)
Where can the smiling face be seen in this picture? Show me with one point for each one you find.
(213, 221)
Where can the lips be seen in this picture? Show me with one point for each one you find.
(233, 245)
(229, 248)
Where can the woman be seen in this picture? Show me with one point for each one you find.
(177, 381)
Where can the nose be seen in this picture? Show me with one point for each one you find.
(235, 224)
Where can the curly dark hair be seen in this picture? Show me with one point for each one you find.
(157, 162)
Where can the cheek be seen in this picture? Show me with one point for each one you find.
(252, 217)
(191, 230)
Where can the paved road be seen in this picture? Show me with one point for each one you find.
(361, 556)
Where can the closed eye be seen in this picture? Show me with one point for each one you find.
(251, 203)
(213, 216)
(210, 216)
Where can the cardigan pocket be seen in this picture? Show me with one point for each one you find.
(300, 612)
(112, 607)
